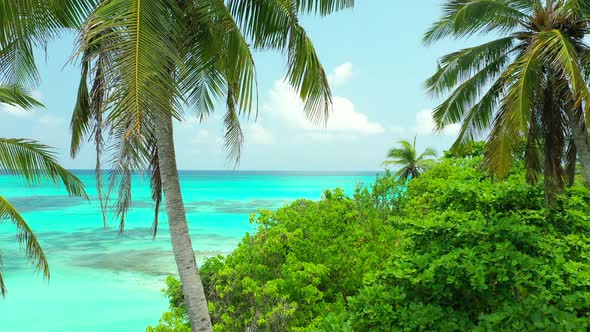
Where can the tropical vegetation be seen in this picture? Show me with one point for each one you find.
(438, 245)
(143, 62)
(528, 84)
(406, 157)
(455, 250)
(142, 65)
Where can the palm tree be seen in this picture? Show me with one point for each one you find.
(37, 164)
(143, 62)
(406, 156)
(528, 85)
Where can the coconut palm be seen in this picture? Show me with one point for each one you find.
(145, 62)
(37, 164)
(142, 61)
(528, 84)
(406, 157)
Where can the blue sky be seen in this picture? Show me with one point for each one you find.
(377, 66)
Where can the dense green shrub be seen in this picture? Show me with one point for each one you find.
(305, 259)
(482, 255)
(454, 250)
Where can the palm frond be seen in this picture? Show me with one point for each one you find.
(467, 17)
(481, 115)
(26, 239)
(428, 153)
(155, 183)
(36, 163)
(322, 7)
(26, 19)
(234, 137)
(458, 66)
(579, 8)
(561, 53)
(71, 13)
(26, 24)
(14, 95)
(464, 97)
(17, 64)
(218, 55)
(501, 144)
(275, 25)
(82, 115)
(128, 155)
(522, 80)
(136, 37)
(87, 120)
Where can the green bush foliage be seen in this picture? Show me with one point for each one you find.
(453, 251)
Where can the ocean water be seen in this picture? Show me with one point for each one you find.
(101, 281)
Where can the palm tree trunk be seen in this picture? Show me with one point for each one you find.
(194, 295)
(581, 141)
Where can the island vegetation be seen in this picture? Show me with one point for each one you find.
(491, 236)
(454, 250)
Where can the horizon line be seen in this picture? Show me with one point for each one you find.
(250, 170)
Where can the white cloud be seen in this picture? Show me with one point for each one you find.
(204, 133)
(189, 122)
(345, 118)
(202, 136)
(258, 135)
(51, 120)
(399, 131)
(341, 74)
(284, 105)
(14, 110)
(425, 125)
(18, 111)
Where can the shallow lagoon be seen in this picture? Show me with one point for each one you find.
(101, 281)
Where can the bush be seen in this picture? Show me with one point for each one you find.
(304, 261)
(482, 255)
(453, 251)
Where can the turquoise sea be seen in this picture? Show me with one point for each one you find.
(104, 282)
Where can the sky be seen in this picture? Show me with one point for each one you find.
(377, 65)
